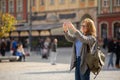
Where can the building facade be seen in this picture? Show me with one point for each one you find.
(0, 6)
(48, 15)
(108, 19)
(58, 11)
(17, 8)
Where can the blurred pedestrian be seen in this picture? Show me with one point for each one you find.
(111, 51)
(20, 52)
(80, 39)
(54, 52)
(8, 42)
(46, 49)
(41, 45)
(105, 43)
(14, 46)
(117, 62)
(3, 47)
(27, 44)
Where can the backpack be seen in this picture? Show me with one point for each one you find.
(95, 59)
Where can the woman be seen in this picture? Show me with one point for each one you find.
(53, 51)
(20, 52)
(81, 39)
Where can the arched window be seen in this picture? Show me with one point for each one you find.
(116, 2)
(83, 17)
(105, 3)
(19, 5)
(86, 16)
(33, 2)
(61, 1)
(103, 30)
(42, 2)
(116, 31)
(11, 6)
(3, 6)
(52, 2)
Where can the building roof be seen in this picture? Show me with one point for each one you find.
(39, 27)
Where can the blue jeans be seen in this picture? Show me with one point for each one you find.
(78, 75)
(111, 60)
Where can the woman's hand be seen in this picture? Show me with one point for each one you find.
(71, 26)
(65, 27)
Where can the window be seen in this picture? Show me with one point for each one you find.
(103, 30)
(51, 2)
(42, 2)
(33, 2)
(67, 16)
(117, 30)
(105, 3)
(117, 2)
(3, 6)
(82, 0)
(19, 5)
(61, 1)
(72, 1)
(11, 6)
(19, 17)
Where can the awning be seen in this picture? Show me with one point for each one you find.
(44, 33)
(39, 27)
(35, 33)
(14, 34)
(24, 33)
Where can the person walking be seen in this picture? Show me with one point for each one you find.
(53, 53)
(81, 39)
(117, 62)
(111, 51)
(3, 47)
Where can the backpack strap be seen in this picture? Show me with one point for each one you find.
(94, 46)
(95, 76)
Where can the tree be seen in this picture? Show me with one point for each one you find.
(7, 23)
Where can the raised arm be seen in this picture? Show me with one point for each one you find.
(79, 35)
(68, 36)
(84, 39)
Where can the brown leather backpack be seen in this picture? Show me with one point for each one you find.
(95, 59)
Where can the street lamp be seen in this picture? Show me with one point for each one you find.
(30, 25)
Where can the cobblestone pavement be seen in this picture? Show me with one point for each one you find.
(37, 69)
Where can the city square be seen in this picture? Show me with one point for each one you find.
(36, 68)
(40, 39)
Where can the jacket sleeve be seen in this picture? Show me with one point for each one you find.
(84, 39)
(69, 36)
